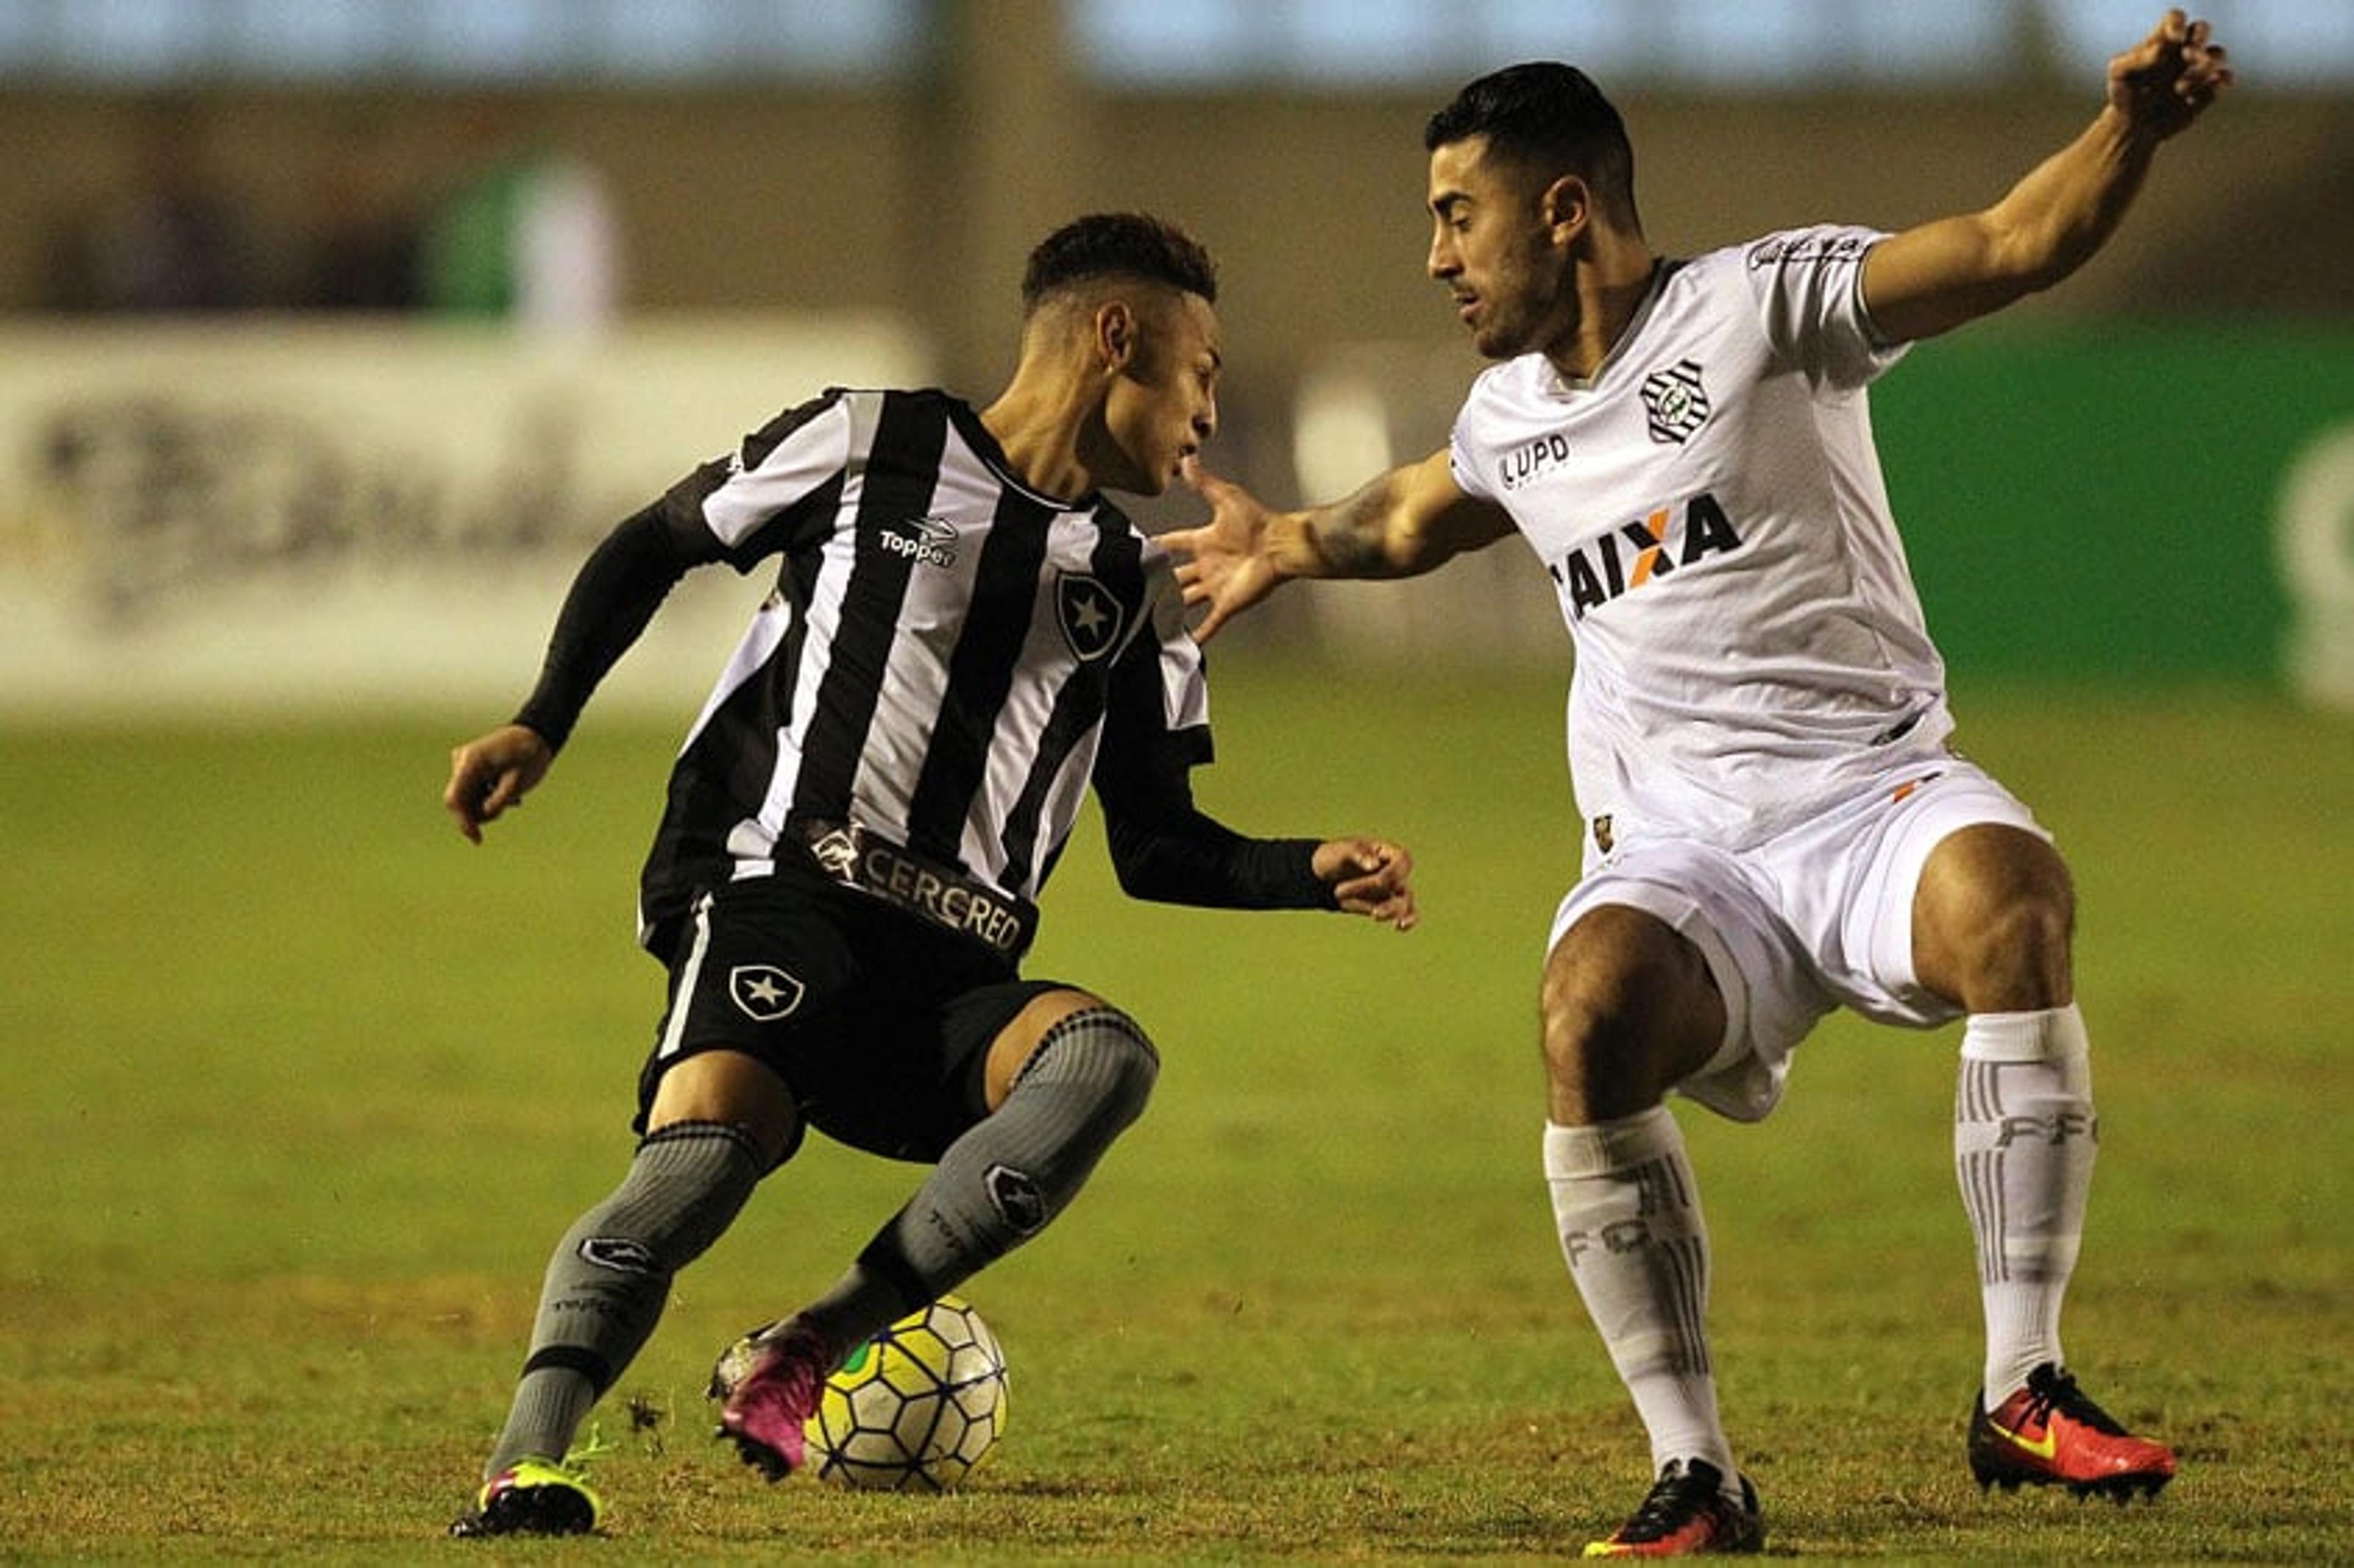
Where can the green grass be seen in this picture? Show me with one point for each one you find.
(301, 1087)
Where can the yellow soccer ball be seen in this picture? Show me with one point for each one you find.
(915, 1407)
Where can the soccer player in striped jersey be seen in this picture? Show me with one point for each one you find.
(965, 637)
(1757, 722)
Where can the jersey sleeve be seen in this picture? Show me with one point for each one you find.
(1808, 286)
(737, 508)
(1156, 731)
(1157, 716)
(1462, 450)
(781, 483)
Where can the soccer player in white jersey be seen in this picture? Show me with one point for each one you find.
(1756, 724)
(966, 635)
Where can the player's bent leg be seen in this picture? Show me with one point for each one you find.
(1076, 1073)
(1630, 1009)
(2024, 1140)
(719, 1122)
(1993, 922)
(1065, 1077)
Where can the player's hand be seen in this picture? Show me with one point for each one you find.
(492, 775)
(2166, 80)
(1227, 566)
(1369, 876)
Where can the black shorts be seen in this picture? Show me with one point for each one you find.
(880, 1024)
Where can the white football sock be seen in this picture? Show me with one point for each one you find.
(1628, 1212)
(2024, 1139)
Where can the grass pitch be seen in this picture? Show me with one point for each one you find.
(302, 1088)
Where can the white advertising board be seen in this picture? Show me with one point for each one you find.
(306, 513)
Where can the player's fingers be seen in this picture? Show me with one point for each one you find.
(1391, 865)
(1385, 886)
(459, 796)
(1397, 910)
(2163, 43)
(459, 800)
(1201, 480)
(506, 794)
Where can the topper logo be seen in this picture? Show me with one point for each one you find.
(926, 541)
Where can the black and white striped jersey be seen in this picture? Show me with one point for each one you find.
(949, 661)
(942, 657)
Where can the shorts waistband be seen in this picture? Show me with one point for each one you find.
(855, 856)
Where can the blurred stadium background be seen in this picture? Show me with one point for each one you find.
(281, 424)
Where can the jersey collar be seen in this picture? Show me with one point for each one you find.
(1662, 269)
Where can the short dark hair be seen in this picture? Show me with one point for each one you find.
(1105, 243)
(1549, 117)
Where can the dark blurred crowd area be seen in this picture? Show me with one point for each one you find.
(512, 229)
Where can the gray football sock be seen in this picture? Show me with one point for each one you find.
(609, 1278)
(1006, 1178)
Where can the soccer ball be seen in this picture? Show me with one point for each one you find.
(915, 1407)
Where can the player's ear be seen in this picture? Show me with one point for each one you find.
(1119, 334)
(1566, 207)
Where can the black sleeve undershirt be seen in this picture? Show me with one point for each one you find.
(1165, 849)
(620, 586)
(1196, 860)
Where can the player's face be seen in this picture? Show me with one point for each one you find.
(1493, 246)
(1164, 402)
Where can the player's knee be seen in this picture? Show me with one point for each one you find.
(1996, 922)
(1628, 1007)
(1105, 1056)
(2014, 956)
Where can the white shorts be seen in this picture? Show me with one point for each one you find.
(1818, 918)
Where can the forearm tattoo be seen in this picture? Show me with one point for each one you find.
(1349, 539)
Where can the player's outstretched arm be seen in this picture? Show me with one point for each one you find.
(1936, 277)
(490, 775)
(1371, 877)
(1403, 523)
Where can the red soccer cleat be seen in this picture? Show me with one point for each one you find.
(1688, 1514)
(2050, 1434)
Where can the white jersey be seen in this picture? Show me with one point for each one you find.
(1710, 507)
